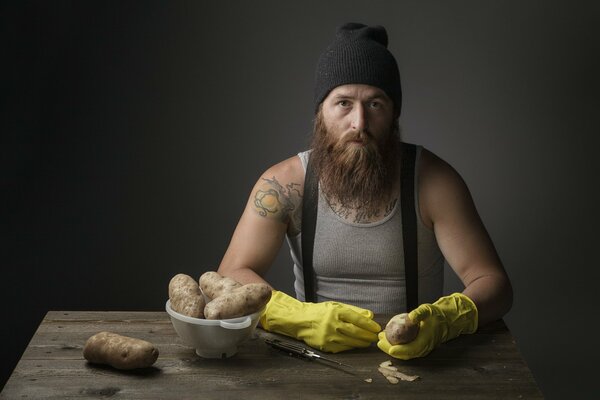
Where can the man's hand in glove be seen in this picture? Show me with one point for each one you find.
(439, 322)
(329, 326)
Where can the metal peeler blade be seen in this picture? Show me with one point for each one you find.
(301, 351)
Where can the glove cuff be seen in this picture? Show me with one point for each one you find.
(473, 312)
(460, 312)
(279, 314)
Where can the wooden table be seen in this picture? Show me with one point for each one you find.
(479, 366)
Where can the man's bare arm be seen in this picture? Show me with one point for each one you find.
(447, 206)
(269, 213)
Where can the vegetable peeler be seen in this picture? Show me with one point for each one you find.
(300, 351)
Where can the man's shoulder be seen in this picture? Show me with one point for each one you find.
(432, 167)
(290, 170)
(278, 193)
(439, 183)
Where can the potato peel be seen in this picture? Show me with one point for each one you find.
(392, 374)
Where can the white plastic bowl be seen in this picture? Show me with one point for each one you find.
(213, 338)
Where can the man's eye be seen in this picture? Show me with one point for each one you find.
(344, 103)
(375, 104)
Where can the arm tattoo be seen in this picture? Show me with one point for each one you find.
(274, 200)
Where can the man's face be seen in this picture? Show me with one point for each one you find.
(357, 115)
(355, 146)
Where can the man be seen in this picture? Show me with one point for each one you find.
(359, 245)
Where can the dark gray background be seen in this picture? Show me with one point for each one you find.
(132, 133)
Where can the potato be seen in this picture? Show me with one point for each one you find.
(182, 284)
(119, 351)
(191, 305)
(186, 297)
(214, 285)
(244, 300)
(401, 329)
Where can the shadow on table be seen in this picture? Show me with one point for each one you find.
(141, 372)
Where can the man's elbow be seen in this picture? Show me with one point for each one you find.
(502, 295)
(507, 295)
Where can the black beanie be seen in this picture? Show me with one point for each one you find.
(358, 55)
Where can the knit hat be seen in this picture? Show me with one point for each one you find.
(358, 54)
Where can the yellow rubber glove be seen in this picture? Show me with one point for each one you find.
(439, 322)
(329, 326)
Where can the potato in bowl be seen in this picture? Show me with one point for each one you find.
(215, 314)
(214, 338)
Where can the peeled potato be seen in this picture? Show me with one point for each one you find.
(401, 329)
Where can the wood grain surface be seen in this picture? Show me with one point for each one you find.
(485, 365)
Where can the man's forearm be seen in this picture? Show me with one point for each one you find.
(493, 296)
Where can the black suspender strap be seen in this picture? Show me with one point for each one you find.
(310, 202)
(409, 224)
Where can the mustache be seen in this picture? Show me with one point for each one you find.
(363, 136)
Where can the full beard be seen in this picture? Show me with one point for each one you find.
(352, 176)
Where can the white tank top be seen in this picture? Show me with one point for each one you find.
(363, 264)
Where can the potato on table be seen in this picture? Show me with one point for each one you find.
(244, 300)
(214, 285)
(121, 352)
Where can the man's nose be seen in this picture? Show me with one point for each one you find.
(360, 120)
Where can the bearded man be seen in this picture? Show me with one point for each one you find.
(369, 220)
